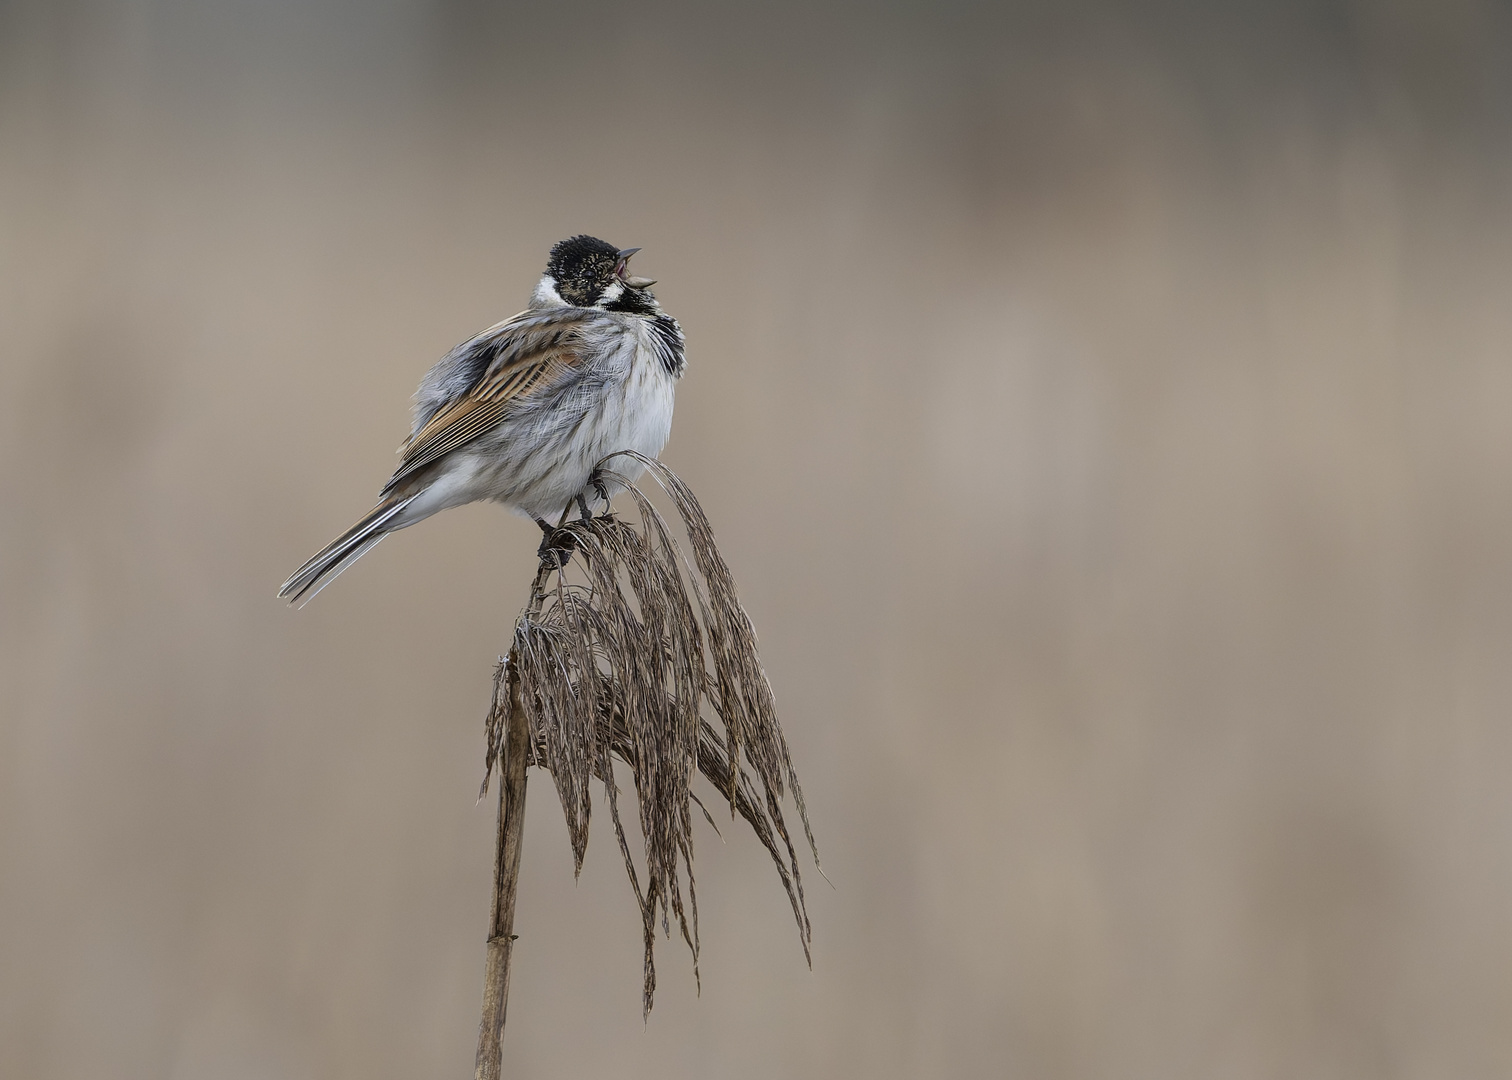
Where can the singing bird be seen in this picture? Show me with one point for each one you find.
(521, 413)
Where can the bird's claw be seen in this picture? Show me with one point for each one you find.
(558, 545)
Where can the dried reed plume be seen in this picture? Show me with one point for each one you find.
(618, 667)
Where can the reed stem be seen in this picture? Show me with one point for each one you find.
(501, 936)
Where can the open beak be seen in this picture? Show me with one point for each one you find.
(624, 263)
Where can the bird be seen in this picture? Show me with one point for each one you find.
(522, 413)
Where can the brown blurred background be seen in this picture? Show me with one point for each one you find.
(1107, 412)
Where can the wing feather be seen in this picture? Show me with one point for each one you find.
(530, 354)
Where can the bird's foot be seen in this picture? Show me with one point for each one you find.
(597, 482)
(558, 548)
(556, 544)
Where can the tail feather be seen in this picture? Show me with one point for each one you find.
(341, 553)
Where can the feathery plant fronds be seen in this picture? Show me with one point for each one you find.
(619, 666)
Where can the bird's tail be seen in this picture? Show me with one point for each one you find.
(342, 552)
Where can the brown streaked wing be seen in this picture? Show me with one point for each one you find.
(532, 353)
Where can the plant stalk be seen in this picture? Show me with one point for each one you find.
(501, 935)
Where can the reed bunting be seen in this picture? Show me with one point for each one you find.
(521, 413)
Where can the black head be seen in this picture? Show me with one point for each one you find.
(589, 272)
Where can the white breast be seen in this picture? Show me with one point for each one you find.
(649, 399)
(639, 416)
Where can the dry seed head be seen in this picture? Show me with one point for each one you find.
(619, 666)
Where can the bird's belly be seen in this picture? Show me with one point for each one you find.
(638, 417)
(542, 470)
(644, 417)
